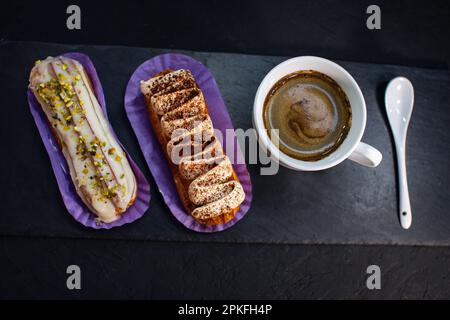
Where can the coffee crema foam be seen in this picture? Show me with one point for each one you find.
(311, 112)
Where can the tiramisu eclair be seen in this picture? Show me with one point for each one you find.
(98, 166)
(204, 176)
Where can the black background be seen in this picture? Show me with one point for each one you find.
(413, 33)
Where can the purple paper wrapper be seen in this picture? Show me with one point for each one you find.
(73, 202)
(153, 153)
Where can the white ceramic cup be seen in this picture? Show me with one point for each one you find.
(352, 147)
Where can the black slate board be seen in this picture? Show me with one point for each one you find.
(345, 204)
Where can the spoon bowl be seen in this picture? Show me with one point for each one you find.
(399, 102)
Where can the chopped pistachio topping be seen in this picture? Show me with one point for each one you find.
(59, 93)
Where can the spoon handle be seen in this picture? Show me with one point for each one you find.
(404, 203)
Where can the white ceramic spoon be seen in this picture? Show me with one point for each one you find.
(399, 100)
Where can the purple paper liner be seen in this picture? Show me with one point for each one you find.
(71, 199)
(153, 153)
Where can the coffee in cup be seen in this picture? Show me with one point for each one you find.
(311, 112)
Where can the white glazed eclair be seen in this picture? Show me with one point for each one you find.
(98, 165)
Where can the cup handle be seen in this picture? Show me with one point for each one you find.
(366, 155)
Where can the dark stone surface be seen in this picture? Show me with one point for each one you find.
(36, 268)
(346, 204)
(414, 33)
